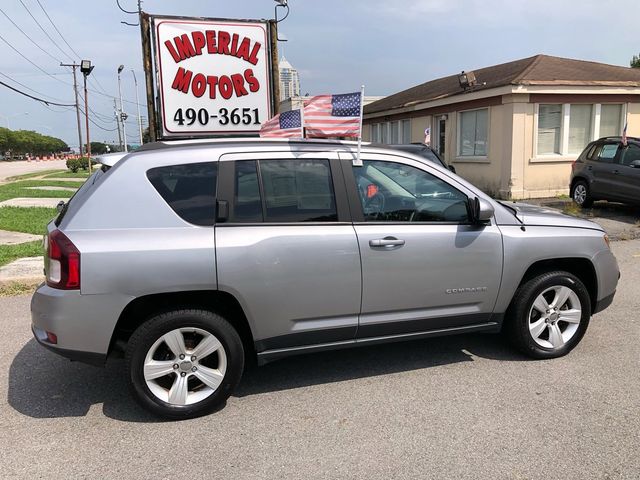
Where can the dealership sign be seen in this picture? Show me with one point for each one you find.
(214, 76)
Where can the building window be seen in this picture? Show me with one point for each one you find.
(472, 138)
(610, 120)
(565, 129)
(384, 132)
(579, 127)
(394, 132)
(549, 126)
(375, 133)
(391, 132)
(406, 131)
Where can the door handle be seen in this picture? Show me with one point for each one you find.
(386, 242)
(589, 167)
(616, 172)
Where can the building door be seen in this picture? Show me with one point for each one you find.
(440, 136)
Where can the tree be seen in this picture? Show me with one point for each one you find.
(98, 148)
(635, 61)
(27, 141)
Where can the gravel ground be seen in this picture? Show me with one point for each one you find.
(464, 407)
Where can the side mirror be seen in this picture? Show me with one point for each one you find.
(635, 164)
(60, 206)
(480, 211)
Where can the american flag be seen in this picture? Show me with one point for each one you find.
(624, 134)
(333, 115)
(284, 125)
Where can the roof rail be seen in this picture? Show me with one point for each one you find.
(161, 144)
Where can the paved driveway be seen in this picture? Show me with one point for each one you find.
(20, 167)
(462, 407)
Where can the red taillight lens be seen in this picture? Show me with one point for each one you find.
(63, 262)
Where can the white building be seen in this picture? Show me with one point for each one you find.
(289, 80)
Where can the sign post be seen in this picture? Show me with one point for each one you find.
(215, 77)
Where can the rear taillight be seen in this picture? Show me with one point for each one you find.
(62, 264)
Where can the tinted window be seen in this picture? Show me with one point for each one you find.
(298, 191)
(605, 153)
(393, 192)
(190, 190)
(247, 202)
(630, 154)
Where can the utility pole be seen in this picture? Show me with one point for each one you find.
(123, 115)
(138, 105)
(75, 91)
(86, 68)
(115, 111)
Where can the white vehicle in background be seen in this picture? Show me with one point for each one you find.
(109, 159)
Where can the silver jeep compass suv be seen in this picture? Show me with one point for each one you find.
(194, 256)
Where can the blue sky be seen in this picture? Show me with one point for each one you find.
(336, 45)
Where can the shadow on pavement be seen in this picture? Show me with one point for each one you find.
(43, 385)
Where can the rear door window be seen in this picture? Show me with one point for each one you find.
(298, 191)
(190, 190)
(605, 153)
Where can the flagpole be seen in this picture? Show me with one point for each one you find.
(358, 161)
(302, 118)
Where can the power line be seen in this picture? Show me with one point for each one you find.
(43, 30)
(54, 26)
(36, 98)
(32, 63)
(29, 88)
(99, 126)
(26, 35)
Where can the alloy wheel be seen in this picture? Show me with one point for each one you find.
(185, 366)
(555, 316)
(580, 194)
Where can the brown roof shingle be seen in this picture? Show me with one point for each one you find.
(536, 70)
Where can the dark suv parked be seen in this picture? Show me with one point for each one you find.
(607, 170)
(426, 152)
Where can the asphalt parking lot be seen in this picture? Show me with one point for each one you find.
(459, 407)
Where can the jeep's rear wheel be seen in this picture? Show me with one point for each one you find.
(580, 194)
(184, 363)
(549, 315)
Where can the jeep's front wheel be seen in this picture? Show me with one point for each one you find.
(549, 315)
(184, 363)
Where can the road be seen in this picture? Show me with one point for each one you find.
(463, 407)
(11, 169)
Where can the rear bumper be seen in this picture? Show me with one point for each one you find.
(83, 324)
(91, 358)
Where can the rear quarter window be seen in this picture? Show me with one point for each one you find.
(190, 190)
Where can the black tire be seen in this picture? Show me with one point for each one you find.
(521, 312)
(581, 195)
(150, 332)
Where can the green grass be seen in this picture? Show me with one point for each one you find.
(27, 220)
(68, 174)
(36, 174)
(17, 189)
(17, 288)
(9, 253)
